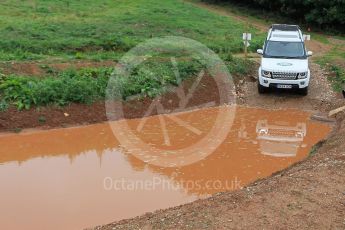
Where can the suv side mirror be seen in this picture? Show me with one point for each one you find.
(309, 53)
(260, 51)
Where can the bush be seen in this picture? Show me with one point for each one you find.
(84, 86)
(154, 77)
(149, 79)
(89, 85)
(324, 14)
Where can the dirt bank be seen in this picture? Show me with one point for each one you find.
(318, 102)
(13, 120)
(45, 68)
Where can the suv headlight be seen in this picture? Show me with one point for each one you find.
(303, 75)
(265, 73)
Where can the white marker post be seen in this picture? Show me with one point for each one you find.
(306, 37)
(246, 38)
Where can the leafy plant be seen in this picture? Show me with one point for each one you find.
(338, 79)
(84, 86)
(42, 119)
(3, 105)
(316, 148)
(154, 77)
(89, 84)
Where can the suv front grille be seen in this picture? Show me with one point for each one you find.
(284, 75)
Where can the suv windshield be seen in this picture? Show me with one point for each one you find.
(277, 49)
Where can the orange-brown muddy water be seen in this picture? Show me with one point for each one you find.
(81, 177)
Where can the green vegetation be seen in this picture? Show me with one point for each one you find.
(323, 14)
(89, 29)
(49, 31)
(320, 38)
(88, 85)
(152, 78)
(316, 148)
(3, 105)
(83, 86)
(17, 130)
(42, 119)
(337, 54)
(332, 62)
(338, 79)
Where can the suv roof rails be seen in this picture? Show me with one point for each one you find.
(285, 27)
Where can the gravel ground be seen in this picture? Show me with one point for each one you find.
(321, 97)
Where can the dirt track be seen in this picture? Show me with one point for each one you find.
(321, 98)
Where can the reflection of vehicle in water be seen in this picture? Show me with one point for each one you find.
(280, 140)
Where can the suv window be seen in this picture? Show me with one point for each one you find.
(279, 49)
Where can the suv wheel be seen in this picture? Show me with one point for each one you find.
(261, 89)
(304, 91)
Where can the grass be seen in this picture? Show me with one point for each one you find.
(316, 148)
(72, 29)
(337, 53)
(67, 30)
(338, 80)
(259, 16)
(331, 61)
(320, 38)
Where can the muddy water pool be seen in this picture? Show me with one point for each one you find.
(81, 177)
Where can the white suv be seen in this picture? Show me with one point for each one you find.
(284, 62)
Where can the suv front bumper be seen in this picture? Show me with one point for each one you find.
(296, 84)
